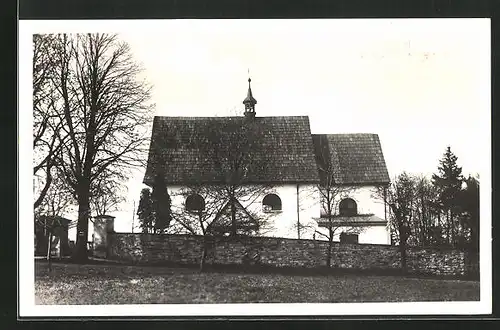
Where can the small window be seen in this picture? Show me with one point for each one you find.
(271, 203)
(348, 207)
(346, 238)
(195, 203)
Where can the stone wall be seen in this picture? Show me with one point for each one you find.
(281, 252)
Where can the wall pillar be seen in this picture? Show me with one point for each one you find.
(103, 225)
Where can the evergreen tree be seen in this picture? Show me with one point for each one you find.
(145, 211)
(448, 182)
(161, 205)
(470, 206)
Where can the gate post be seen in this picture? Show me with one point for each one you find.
(103, 225)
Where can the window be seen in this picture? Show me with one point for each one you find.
(346, 238)
(271, 203)
(195, 203)
(348, 207)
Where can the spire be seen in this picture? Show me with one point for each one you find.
(249, 102)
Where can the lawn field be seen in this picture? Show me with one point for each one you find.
(119, 284)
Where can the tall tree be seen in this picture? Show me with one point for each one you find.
(448, 181)
(400, 198)
(145, 211)
(197, 216)
(235, 147)
(161, 203)
(205, 214)
(330, 195)
(220, 204)
(104, 111)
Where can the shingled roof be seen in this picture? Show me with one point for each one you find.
(179, 146)
(350, 158)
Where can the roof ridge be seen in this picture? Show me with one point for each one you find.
(344, 134)
(215, 117)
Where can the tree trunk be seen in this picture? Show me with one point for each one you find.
(205, 243)
(329, 255)
(49, 248)
(80, 254)
(329, 251)
(404, 263)
(454, 229)
(233, 217)
(448, 240)
(298, 214)
(203, 255)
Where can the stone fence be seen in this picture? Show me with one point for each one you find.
(281, 252)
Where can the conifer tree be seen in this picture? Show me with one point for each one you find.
(145, 211)
(161, 205)
(448, 181)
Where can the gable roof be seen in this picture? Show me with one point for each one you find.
(245, 222)
(350, 158)
(285, 152)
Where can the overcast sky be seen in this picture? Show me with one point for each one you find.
(420, 84)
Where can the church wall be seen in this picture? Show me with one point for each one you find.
(308, 209)
(277, 223)
(367, 203)
(284, 223)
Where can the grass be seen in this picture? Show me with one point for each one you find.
(120, 284)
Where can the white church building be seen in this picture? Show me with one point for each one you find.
(294, 173)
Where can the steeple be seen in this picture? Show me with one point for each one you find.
(249, 102)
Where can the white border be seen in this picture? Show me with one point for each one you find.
(26, 301)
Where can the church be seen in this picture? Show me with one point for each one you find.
(301, 183)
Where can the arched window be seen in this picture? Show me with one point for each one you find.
(195, 203)
(348, 207)
(271, 202)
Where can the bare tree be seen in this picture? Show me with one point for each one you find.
(224, 197)
(424, 227)
(400, 198)
(46, 123)
(228, 161)
(205, 214)
(330, 197)
(331, 193)
(197, 216)
(104, 111)
(235, 147)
